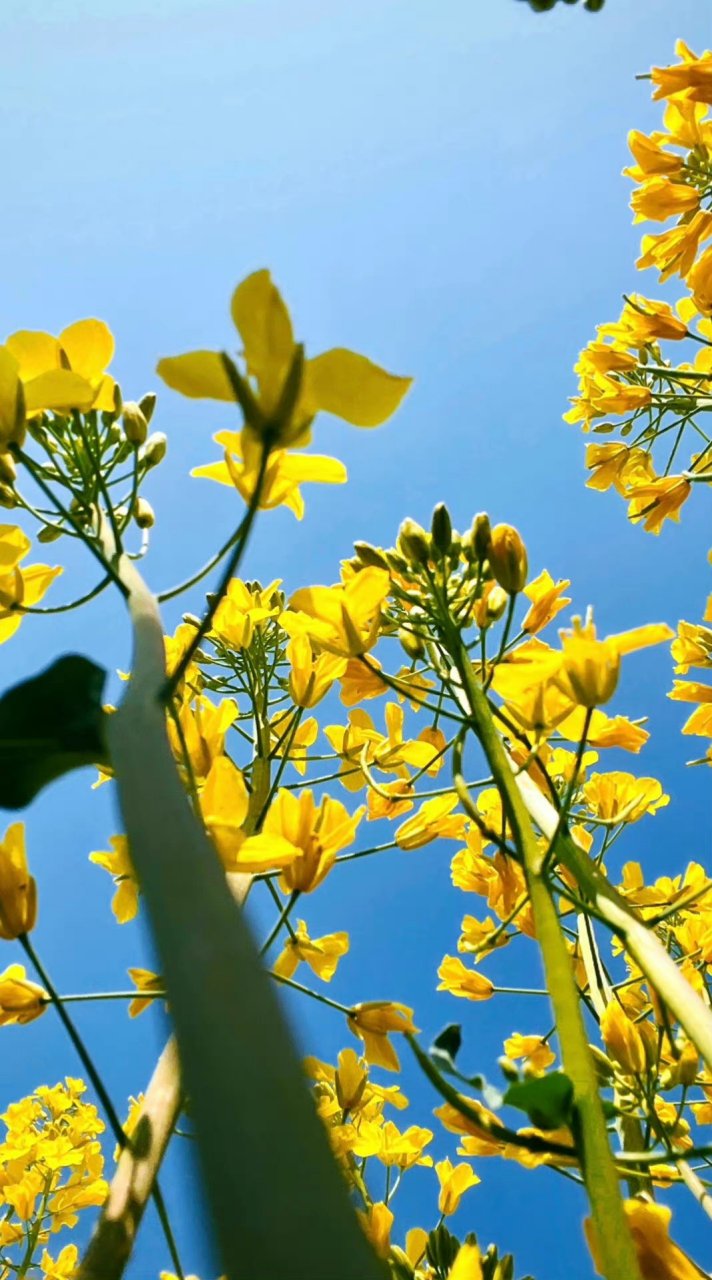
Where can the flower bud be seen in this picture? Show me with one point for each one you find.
(8, 470)
(508, 558)
(135, 424)
(147, 404)
(370, 556)
(118, 399)
(491, 605)
(481, 535)
(18, 891)
(50, 533)
(143, 513)
(622, 1039)
(412, 644)
(8, 497)
(413, 542)
(154, 450)
(441, 529)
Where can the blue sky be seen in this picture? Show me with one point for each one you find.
(439, 187)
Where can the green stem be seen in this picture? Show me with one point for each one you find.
(618, 1257)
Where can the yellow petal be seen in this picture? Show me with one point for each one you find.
(11, 397)
(262, 320)
(214, 471)
(641, 637)
(14, 545)
(88, 346)
(198, 374)
(352, 387)
(301, 467)
(58, 389)
(34, 351)
(266, 852)
(37, 580)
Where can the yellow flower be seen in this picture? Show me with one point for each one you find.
(618, 465)
(19, 586)
(18, 891)
(63, 1267)
(372, 1022)
(454, 1181)
(321, 954)
(68, 372)
(224, 803)
(692, 647)
(295, 743)
(467, 1264)
(658, 198)
(146, 983)
(377, 1223)
(359, 682)
(458, 980)
(433, 821)
(301, 839)
(311, 675)
(659, 1258)
(650, 157)
(692, 76)
(343, 620)
(338, 381)
(642, 321)
(508, 558)
(590, 667)
(284, 474)
(534, 1051)
(674, 251)
(623, 1039)
(658, 500)
(350, 1080)
(241, 610)
(20, 1000)
(120, 867)
(620, 797)
(204, 724)
(402, 1149)
(547, 599)
(699, 280)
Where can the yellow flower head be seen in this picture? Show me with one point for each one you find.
(373, 1021)
(282, 391)
(321, 954)
(20, 1000)
(120, 867)
(18, 891)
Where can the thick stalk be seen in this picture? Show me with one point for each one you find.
(617, 1253)
(255, 1121)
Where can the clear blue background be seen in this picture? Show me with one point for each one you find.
(435, 185)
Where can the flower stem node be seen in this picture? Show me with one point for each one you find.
(508, 558)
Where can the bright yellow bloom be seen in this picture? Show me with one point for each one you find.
(674, 251)
(19, 586)
(658, 500)
(301, 839)
(616, 464)
(467, 1264)
(659, 1258)
(350, 1080)
(372, 1022)
(312, 674)
(507, 556)
(243, 608)
(535, 1052)
(146, 983)
(547, 599)
(620, 797)
(359, 682)
(68, 372)
(699, 280)
(343, 620)
(691, 77)
(224, 803)
(20, 1000)
(692, 647)
(658, 198)
(321, 954)
(458, 980)
(120, 867)
(338, 381)
(63, 1267)
(295, 743)
(651, 158)
(433, 821)
(18, 891)
(590, 667)
(623, 1039)
(204, 725)
(642, 321)
(284, 474)
(454, 1181)
(377, 1223)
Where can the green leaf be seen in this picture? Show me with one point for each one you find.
(547, 1100)
(445, 1048)
(49, 725)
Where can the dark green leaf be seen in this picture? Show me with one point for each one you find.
(446, 1046)
(50, 724)
(547, 1100)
